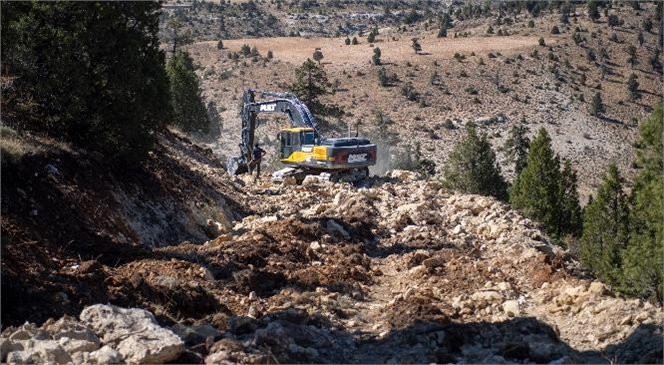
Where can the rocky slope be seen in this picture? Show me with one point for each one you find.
(396, 270)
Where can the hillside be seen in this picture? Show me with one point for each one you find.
(495, 81)
(395, 270)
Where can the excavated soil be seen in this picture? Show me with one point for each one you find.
(394, 270)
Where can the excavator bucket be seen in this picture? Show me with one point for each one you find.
(236, 167)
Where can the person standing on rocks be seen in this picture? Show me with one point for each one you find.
(257, 155)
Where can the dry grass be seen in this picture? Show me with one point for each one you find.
(14, 145)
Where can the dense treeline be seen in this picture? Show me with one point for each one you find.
(621, 236)
(89, 73)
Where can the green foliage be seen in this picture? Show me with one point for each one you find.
(372, 35)
(442, 31)
(347, 41)
(632, 58)
(178, 36)
(472, 167)
(269, 55)
(640, 38)
(613, 21)
(87, 72)
(593, 11)
(354, 42)
(633, 88)
(606, 229)
(516, 146)
(386, 79)
(375, 59)
(310, 83)
(245, 50)
(408, 90)
(189, 112)
(541, 42)
(597, 106)
(318, 56)
(531, 24)
(416, 46)
(542, 193)
(647, 25)
(555, 30)
(220, 44)
(570, 219)
(644, 266)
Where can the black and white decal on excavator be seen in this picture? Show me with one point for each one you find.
(267, 107)
(360, 157)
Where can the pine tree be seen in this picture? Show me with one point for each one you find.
(570, 218)
(633, 88)
(347, 41)
(606, 229)
(375, 59)
(442, 32)
(178, 35)
(516, 146)
(536, 190)
(310, 83)
(189, 112)
(640, 38)
(472, 167)
(593, 11)
(416, 46)
(644, 264)
(318, 55)
(597, 106)
(632, 58)
(71, 82)
(220, 44)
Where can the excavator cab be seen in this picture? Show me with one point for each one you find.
(294, 139)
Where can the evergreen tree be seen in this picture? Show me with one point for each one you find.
(189, 112)
(354, 42)
(442, 31)
(516, 146)
(375, 59)
(570, 218)
(632, 58)
(220, 44)
(654, 60)
(347, 41)
(640, 38)
(416, 46)
(179, 36)
(597, 106)
(606, 229)
(536, 190)
(593, 11)
(70, 81)
(318, 55)
(472, 167)
(310, 83)
(644, 264)
(633, 87)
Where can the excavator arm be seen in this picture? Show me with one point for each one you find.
(284, 103)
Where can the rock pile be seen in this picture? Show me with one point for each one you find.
(398, 270)
(104, 334)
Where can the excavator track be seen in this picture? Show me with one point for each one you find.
(348, 175)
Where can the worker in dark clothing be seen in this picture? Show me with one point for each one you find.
(257, 155)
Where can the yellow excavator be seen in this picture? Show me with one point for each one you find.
(302, 147)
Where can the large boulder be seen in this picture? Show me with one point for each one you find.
(135, 333)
